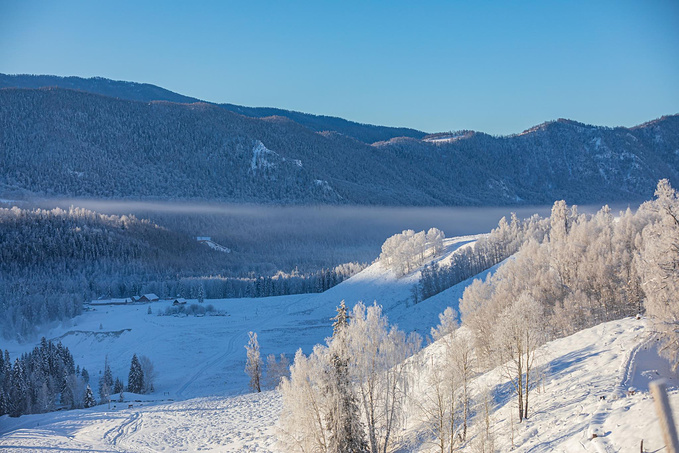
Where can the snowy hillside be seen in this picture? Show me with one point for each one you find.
(603, 361)
(595, 382)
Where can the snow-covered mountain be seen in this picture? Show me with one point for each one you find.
(60, 142)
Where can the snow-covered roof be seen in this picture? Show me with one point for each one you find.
(114, 301)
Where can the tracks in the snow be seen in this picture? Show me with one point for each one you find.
(230, 349)
(595, 431)
(116, 435)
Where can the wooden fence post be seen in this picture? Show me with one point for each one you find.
(662, 407)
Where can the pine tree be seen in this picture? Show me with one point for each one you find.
(18, 394)
(118, 386)
(253, 365)
(347, 433)
(135, 380)
(106, 383)
(341, 320)
(89, 398)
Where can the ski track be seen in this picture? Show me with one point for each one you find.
(595, 431)
(116, 435)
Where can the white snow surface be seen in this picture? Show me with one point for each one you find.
(201, 404)
(446, 138)
(220, 248)
(259, 160)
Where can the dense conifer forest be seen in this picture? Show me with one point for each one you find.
(57, 142)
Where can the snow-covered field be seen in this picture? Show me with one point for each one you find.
(205, 356)
(199, 403)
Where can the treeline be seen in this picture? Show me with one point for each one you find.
(43, 380)
(47, 379)
(582, 273)
(281, 284)
(51, 261)
(486, 252)
(587, 270)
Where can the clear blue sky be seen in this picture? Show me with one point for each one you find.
(493, 66)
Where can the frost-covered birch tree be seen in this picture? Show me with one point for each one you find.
(301, 426)
(379, 370)
(452, 378)
(660, 269)
(253, 364)
(407, 250)
(519, 333)
(355, 386)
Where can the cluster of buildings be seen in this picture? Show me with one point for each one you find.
(144, 298)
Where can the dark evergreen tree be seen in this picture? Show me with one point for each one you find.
(135, 380)
(67, 397)
(118, 386)
(106, 383)
(19, 391)
(89, 398)
(341, 320)
(346, 432)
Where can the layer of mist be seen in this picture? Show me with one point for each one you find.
(265, 239)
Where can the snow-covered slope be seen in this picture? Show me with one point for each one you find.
(604, 361)
(200, 361)
(595, 382)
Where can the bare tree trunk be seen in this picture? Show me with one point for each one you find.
(519, 378)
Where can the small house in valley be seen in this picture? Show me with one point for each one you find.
(117, 301)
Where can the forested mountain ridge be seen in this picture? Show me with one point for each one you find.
(145, 92)
(560, 159)
(58, 142)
